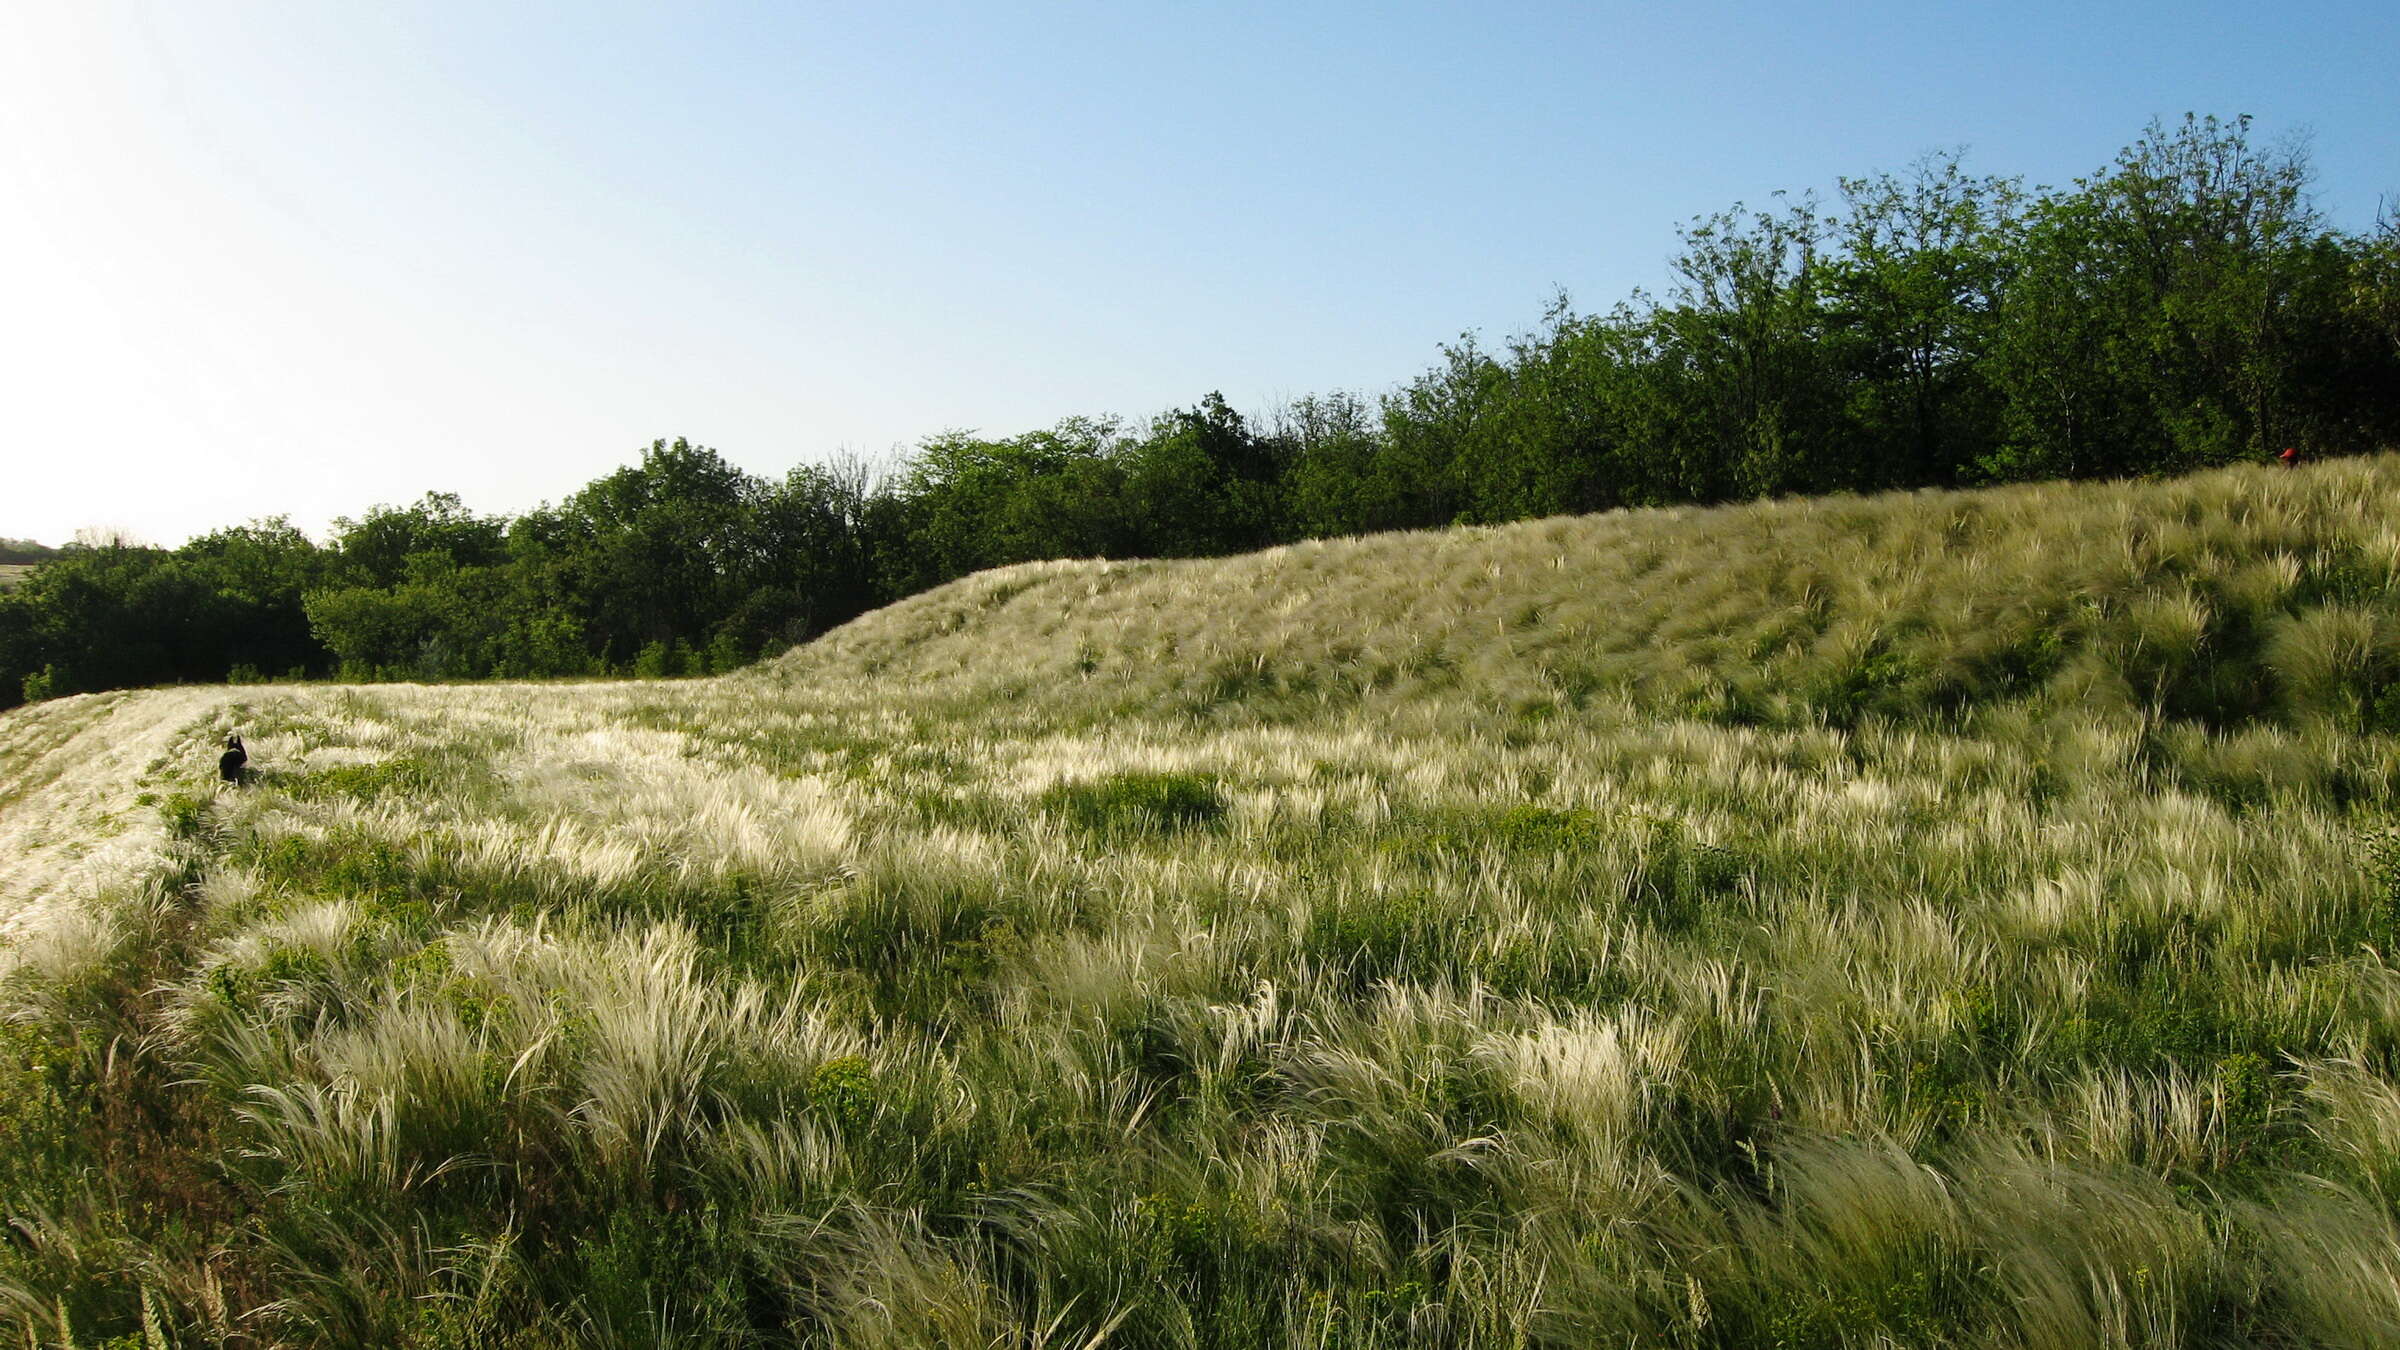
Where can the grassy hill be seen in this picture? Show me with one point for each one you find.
(1946, 919)
(2219, 599)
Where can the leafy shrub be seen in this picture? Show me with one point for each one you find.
(367, 782)
(1431, 837)
(1372, 938)
(1137, 804)
(843, 1089)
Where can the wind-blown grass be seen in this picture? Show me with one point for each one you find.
(1952, 919)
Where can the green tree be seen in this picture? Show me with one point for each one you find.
(2163, 312)
(1337, 483)
(119, 616)
(1912, 296)
(660, 551)
(440, 621)
(375, 548)
(812, 566)
(261, 572)
(1749, 380)
(1200, 483)
(969, 503)
(1430, 425)
(2375, 281)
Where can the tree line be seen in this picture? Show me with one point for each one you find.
(2185, 306)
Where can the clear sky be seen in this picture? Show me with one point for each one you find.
(265, 258)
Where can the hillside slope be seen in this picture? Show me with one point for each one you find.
(2226, 597)
(71, 828)
(1950, 919)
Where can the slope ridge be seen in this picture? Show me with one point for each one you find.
(2221, 598)
(71, 825)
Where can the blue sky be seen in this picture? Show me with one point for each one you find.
(266, 258)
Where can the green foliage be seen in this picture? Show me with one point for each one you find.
(1430, 838)
(1918, 1302)
(2158, 318)
(122, 614)
(724, 655)
(186, 815)
(2380, 850)
(366, 782)
(1201, 484)
(967, 503)
(843, 1090)
(651, 1279)
(1136, 805)
(1924, 259)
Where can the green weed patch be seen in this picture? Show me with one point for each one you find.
(1137, 805)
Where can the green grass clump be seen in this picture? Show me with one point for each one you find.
(364, 782)
(1132, 805)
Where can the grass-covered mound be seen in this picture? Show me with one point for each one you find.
(1932, 920)
(2245, 595)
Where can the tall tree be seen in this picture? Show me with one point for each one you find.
(1201, 484)
(1431, 427)
(2161, 310)
(375, 548)
(968, 502)
(1742, 345)
(655, 546)
(1912, 295)
(1339, 480)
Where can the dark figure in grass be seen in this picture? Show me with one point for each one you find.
(229, 764)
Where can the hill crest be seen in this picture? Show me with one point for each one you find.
(2221, 598)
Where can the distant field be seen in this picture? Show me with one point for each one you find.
(1944, 919)
(13, 574)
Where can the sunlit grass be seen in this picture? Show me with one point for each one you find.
(1939, 919)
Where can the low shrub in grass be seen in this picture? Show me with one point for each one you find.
(366, 782)
(1137, 804)
(1366, 939)
(1438, 836)
(1670, 879)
